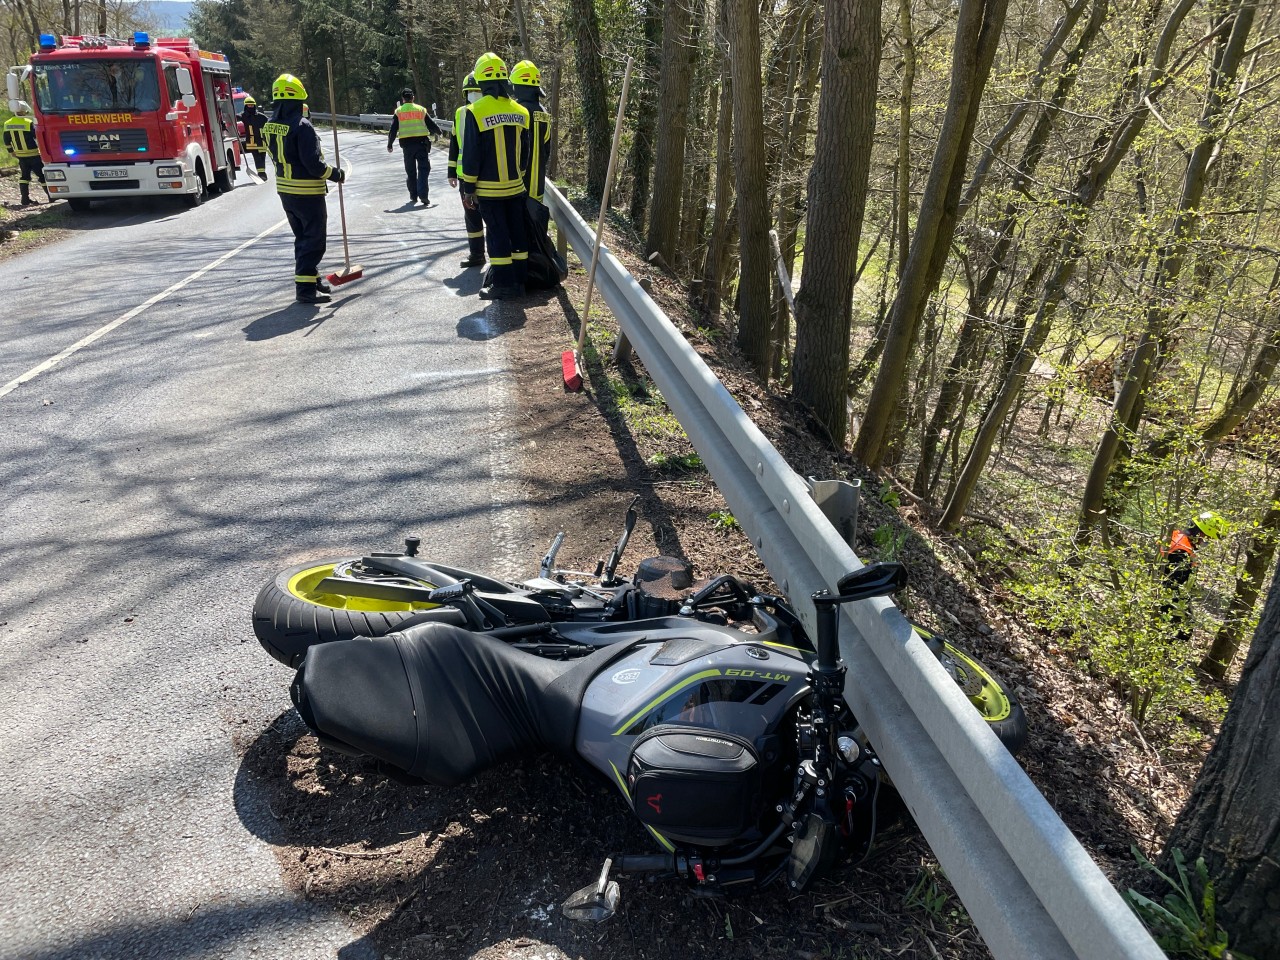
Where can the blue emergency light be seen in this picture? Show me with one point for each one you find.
(141, 40)
(48, 42)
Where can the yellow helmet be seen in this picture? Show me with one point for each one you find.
(250, 102)
(470, 84)
(288, 87)
(525, 74)
(1211, 525)
(490, 66)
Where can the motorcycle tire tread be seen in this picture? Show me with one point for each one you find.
(287, 625)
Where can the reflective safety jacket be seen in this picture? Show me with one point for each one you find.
(537, 148)
(410, 122)
(1179, 556)
(455, 141)
(20, 137)
(254, 141)
(491, 139)
(295, 149)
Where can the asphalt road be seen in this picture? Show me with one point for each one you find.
(188, 431)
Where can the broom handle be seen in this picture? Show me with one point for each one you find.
(342, 207)
(604, 204)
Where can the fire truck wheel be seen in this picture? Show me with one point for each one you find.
(199, 197)
(78, 205)
(225, 179)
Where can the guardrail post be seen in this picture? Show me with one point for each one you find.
(838, 501)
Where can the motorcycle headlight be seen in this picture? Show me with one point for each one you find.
(168, 171)
(55, 175)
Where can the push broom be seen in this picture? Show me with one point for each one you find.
(571, 360)
(348, 272)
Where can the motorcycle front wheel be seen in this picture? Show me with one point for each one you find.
(989, 695)
(291, 614)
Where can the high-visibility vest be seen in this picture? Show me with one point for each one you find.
(495, 126)
(19, 138)
(413, 120)
(458, 117)
(1179, 542)
(301, 169)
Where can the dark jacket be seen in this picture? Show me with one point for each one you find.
(294, 147)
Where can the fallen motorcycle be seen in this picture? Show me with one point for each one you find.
(722, 725)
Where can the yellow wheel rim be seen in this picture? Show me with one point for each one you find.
(979, 686)
(303, 586)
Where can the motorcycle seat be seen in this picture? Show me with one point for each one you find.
(441, 703)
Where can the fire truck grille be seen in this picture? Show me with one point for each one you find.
(81, 142)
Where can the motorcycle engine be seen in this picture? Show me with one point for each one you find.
(661, 584)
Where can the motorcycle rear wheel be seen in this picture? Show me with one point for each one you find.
(290, 615)
(990, 696)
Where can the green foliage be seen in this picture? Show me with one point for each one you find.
(724, 521)
(889, 496)
(889, 541)
(1185, 922)
(675, 462)
(929, 895)
(1112, 609)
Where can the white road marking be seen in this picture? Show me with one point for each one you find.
(101, 332)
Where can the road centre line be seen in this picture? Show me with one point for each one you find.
(118, 321)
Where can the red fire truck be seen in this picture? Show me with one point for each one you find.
(117, 119)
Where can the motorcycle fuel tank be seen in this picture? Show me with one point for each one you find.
(713, 678)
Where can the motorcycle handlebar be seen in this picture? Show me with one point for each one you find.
(645, 863)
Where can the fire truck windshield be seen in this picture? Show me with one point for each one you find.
(79, 86)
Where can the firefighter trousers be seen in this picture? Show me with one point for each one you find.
(475, 230)
(505, 236)
(259, 160)
(309, 219)
(417, 164)
(30, 168)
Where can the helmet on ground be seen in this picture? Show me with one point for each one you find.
(470, 84)
(1210, 524)
(490, 66)
(250, 102)
(288, 87)
(407, 94)
(525, 74)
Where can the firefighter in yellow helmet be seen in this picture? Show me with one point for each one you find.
(526, 82)
(492, 175)
(254, 143)
(470, 215)
(301, 175)
(20, 140)
(1179, 558)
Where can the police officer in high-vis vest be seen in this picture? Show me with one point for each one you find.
(470, 215)
(20, 140)
(492, 175)
(414, 127)
(301, 172)
(526, 81)
(254, 142)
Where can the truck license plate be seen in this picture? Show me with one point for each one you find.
(111, 174)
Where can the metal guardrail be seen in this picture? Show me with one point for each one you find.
(382, 120)
(1029, 886)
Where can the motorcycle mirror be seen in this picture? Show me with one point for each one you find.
(875, 580)
(597, 901)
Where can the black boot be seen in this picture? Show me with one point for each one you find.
(25, 190)
(322, 286)
(501, 291)
(472, 261)
(308, 293)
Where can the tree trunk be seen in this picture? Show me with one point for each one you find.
(410, 57)
(904, 135)
(721, 224)
(641, 159)
(1126, 411)
(525, 49)
(1232, 818)
(553, 161)
(591, 90)
(837, 200)
(1110, 148)
(755, 272)
(673, 108)
(966, 351)
(977, 36)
